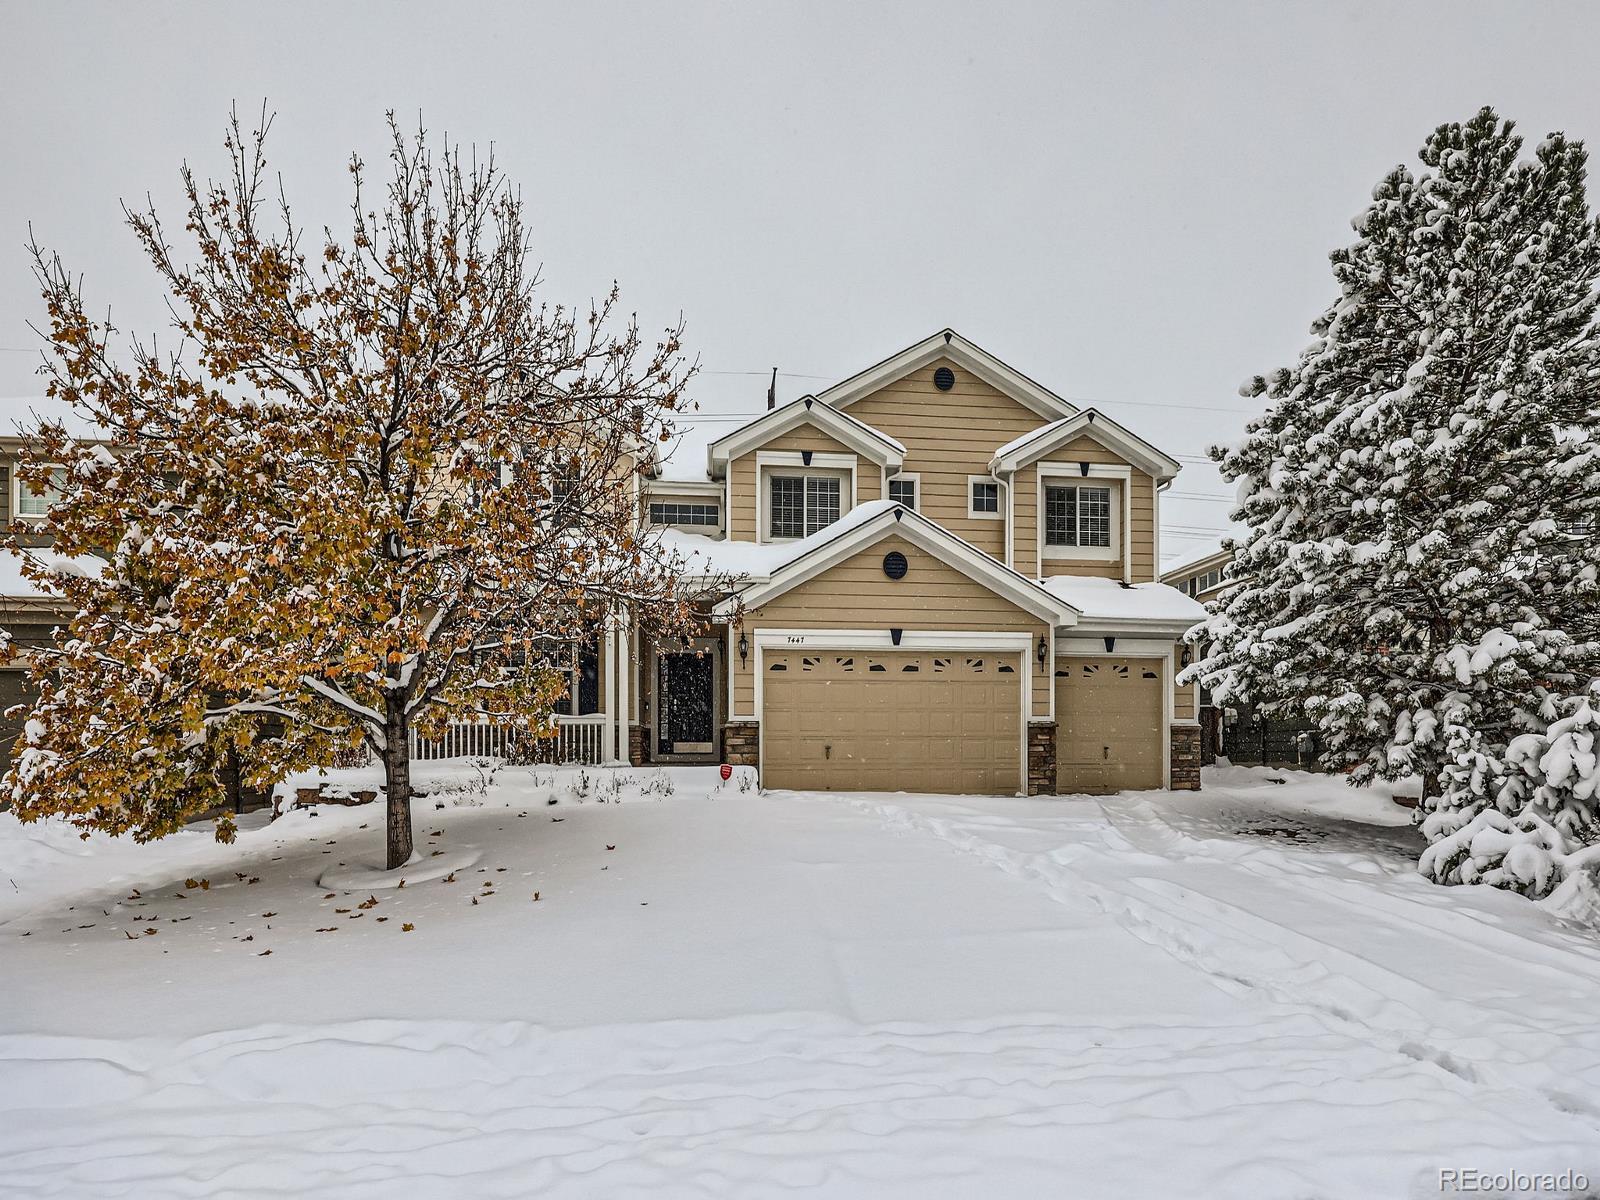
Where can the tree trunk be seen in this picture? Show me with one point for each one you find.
(231, 790)
(397, 781)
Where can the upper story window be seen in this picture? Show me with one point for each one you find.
(35, 504)
(904, 490)
(1077, 516)
(801, 504)
(983, 497)
(1204, 582)
(674, 512)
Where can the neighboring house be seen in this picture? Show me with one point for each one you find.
(1201, 574)
(1238, 732)
(947, 583)
(28, 613)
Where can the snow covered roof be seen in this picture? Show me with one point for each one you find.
(792, 563)
(1036, 443)
(1193, 555)
(756, 562)
(683, 459)
(21, 415)
(1105, 602)
(16, 586)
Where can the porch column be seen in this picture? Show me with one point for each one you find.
(608, 738)
(624, 669)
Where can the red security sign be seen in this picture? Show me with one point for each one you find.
(727, 771)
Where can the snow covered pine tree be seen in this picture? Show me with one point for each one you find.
(387, 488)
(1420, 573)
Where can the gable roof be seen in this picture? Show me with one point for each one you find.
(858, 435)
(947, 343)
(1036, 443)
(879, 519)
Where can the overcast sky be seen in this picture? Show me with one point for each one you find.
(1132, 203)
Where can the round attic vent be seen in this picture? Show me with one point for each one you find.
(944, 379)
(895, 565)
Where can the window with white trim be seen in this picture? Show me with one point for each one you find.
(1077, 516)
(903, 491)
(800, 505)
(677, 512)
(35, 504)
(984, 498)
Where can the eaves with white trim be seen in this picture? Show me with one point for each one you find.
(947, 343)
(866, 441)
(1037, 443)
(927, 535)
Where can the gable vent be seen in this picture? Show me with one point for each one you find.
(944, 379)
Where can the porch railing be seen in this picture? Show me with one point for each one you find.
(578, 741)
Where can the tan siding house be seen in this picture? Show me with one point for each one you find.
(936, 575)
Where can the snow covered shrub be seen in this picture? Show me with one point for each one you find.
(1522, 853)
(1523, 816)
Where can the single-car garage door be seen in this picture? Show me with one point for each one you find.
(1108, 724)
(892, 721)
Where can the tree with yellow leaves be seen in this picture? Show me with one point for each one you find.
(378, 485)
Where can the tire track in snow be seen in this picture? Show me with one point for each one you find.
(1129, 878)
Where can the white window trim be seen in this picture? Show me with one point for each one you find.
(1021, 644)
(1121, 515)
(715, 502)
(999, 513)
(18, 489)
(914, 479)
(1110, 552)
(789, 462)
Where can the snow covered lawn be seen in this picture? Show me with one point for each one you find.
(1245, 993)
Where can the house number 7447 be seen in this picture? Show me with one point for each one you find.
(796, 639)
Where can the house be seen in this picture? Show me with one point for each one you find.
(1200, 574)
(945, 580)
(1238, 731)
(935, 575)
(28, 613)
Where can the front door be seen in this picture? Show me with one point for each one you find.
(685, 695)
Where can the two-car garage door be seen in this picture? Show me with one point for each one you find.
(892, 721)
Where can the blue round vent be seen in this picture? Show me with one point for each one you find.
(944, 379)
(895, 565)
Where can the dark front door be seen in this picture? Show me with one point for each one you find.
(687, 713)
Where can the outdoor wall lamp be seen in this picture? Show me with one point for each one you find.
(1184, 657)
(744, 648)
(1042, 650)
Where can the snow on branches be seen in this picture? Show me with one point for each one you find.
(1526, 816)
(1423, 488)
(379, 486)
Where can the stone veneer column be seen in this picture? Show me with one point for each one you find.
(638, 745)
(741, 744)
(1041, 758)
(1186, 758)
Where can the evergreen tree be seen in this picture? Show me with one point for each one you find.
(1421, 570)
(380, 486)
